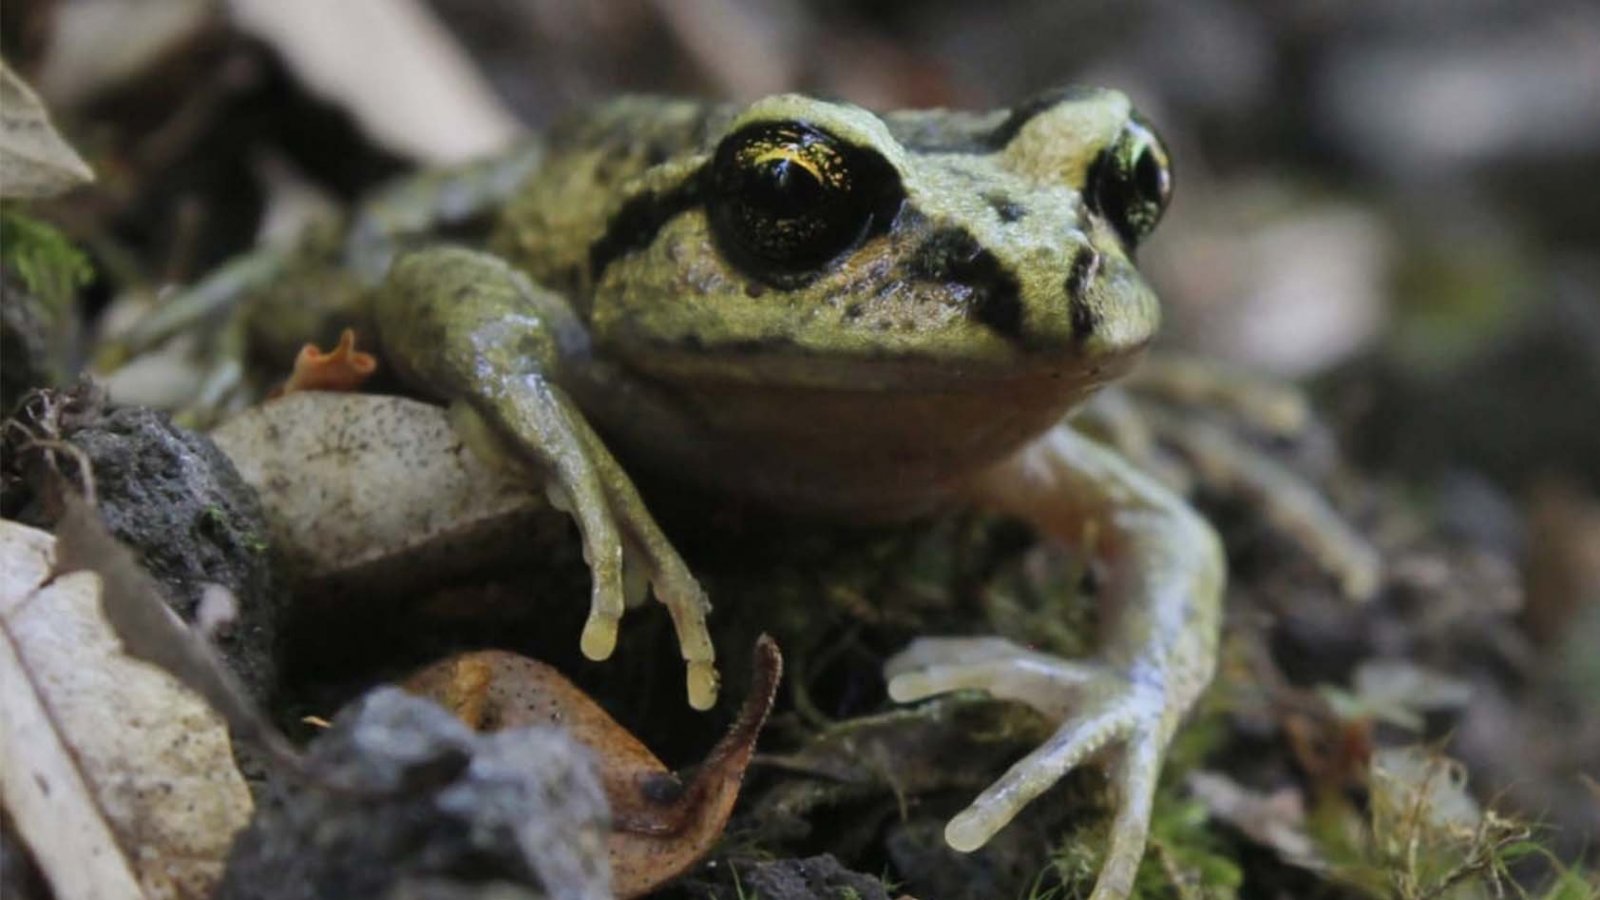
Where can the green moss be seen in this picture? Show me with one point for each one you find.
(1187, 859)
(1422, 837)
(48, 264)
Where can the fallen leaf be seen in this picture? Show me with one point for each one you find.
(1276, 821)
(120, 780)
(660, 825)
(344, 368)
(34, 160)
(96, 47)
(1397, 691)
(393, 66)
(1333, 751)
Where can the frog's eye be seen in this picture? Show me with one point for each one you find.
(786, 198)
(1132, 181)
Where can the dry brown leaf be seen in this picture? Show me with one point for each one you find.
(660, 825)
(34, 160)
(1276, 820)
(344, 368)
(120, 781)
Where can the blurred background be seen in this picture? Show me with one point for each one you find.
(1394, 202)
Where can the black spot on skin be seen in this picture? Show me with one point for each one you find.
(1084, 317)
(1007, 209)
(1084, 320)
(1001, 311)
(1084, 266)
(638, 221)
(1024, 112)
(661, 789)
(954, 255)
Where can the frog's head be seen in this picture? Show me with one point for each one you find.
(817, 243)
(863, 311)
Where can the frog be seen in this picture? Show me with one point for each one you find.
(825, 311)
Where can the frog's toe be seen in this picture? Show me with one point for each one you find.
(1123, 716)
(930, 666)
(924, 653)
(1134, 776)
(616, 565)
(686, 602)
(1099, 709)
(603, 551)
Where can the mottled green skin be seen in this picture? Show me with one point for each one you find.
(929, 363)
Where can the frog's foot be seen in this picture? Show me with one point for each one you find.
(1098, 708)
(618, 533)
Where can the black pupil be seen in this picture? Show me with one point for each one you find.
(784, 189)
(1148, 178)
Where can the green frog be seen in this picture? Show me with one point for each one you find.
(817, 309)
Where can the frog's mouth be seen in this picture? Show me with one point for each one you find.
(784, 364)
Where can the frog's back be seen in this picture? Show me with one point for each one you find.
(550, 226)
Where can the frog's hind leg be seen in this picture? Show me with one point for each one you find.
(1229, 464)
(1193, 423)
(1163, 601)
(1268, 405)
(467, 327)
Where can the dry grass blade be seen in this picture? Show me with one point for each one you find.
(131, 600)
(118, 778)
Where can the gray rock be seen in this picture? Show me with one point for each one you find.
(813, 878)
(175, 500)
(405, 801)
(379, 496)
(168, 493)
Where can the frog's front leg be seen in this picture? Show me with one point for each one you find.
(466, 327)
(1163, 602)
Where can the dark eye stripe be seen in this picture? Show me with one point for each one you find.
(1026, 111)
(636, 224)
